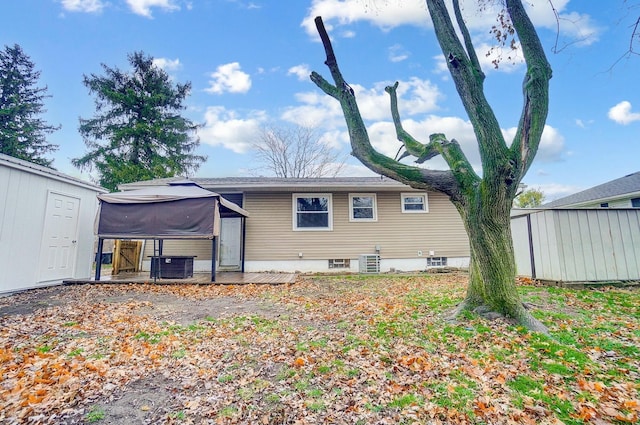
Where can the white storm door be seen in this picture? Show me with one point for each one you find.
(59, 238)
(230, 240)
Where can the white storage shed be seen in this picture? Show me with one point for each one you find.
(577, 245)
(46, 225)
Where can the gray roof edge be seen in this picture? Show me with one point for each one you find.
(269, 183)
(31, 167)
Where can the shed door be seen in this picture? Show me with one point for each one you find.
(59, 238)
(230, 243)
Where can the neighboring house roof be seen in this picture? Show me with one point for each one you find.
(627, 186)
(30, 167)
(270, 183)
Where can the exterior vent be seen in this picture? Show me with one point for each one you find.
(369, 263)
(340, 264)
(436, 261)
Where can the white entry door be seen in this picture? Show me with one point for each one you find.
(59, 238)
(230, 240)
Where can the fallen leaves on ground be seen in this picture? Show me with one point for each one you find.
(334, 350)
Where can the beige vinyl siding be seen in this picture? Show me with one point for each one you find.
(270, 234)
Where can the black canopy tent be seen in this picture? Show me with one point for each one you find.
(181, 210)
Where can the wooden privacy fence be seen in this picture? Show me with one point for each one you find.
(126, 256)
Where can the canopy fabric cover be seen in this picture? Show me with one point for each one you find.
(182, 210)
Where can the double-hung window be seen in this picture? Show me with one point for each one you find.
(414, 203)
(312, 211)
(362, 207)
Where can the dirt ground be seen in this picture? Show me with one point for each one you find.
(149, 399)
(335, 350)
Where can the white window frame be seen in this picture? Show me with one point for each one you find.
(374, 206)
(422, 195)
(294, 206)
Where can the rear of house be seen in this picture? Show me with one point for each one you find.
(328, 224)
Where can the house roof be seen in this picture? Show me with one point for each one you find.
(30, 167)
(241, 184)
(628, 185)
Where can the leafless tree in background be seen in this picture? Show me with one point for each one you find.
(295, 152)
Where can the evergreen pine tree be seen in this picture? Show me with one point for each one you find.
(22, 129)
(137, 132)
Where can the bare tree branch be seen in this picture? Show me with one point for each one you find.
(535, 92)
(469, 85)
(420, 178)
(295, 152)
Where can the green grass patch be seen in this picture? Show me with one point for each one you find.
(95, 414)
(226, 378)
(404, 401)
(44, 348)
(179, 354)
(76, 352)
(315, 405)
(180, 415)
(558, 369)
(228, 412)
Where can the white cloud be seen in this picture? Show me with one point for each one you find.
(87, 6)
(229, 78)
(553, 191)
(355, 170)
(575, 27)
(225, 128)
(397, 53)
(143, 7)
(621, 113)
(301, 71)
(584, 123)
(167, 64)
(383, 137)
(385, 14)
(415, 96)
(317, 109)
(508, 60)
(551, 145)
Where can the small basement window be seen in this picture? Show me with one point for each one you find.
(436, 261)
(340, 264)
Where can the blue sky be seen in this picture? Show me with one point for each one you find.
(249, 61)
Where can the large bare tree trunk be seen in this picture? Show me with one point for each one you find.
(492, 286)
(484, 203)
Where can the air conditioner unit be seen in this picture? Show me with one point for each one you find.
(369, 263)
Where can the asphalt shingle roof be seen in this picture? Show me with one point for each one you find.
(615, 188)
(265, 183)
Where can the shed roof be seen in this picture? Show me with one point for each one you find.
(627, 185)
(30, 167)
